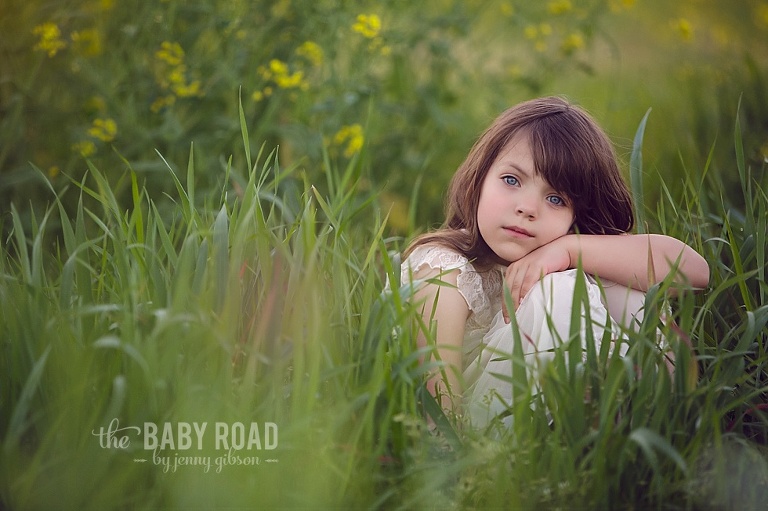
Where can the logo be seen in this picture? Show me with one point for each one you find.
(189, 444)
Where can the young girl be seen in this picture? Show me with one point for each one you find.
(539, 195)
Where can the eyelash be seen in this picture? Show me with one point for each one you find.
(507, 180)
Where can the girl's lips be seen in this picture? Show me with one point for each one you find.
(518, 232)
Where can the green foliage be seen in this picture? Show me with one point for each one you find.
(412, 84)
(250, 285)
(266, 305)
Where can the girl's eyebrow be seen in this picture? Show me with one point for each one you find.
(519, 170)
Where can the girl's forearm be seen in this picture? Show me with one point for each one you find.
(637, 260)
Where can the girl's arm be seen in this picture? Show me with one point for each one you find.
(621, 259)
(448, 308)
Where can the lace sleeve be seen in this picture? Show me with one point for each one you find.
(469, 281)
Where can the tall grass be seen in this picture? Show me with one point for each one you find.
(266, 303)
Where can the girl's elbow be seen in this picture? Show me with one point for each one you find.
(698, 276)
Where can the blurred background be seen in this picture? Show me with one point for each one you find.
(405, 86)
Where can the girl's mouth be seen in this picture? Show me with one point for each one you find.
(519, 231)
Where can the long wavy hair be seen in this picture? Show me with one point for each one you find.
(570, 151)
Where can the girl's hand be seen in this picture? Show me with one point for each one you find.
(524, 273)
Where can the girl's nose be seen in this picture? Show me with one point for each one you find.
(526, 208)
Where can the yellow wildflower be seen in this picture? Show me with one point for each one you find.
(507, 9)
(290, 81)
(761, 14)
(312, 52)
(283, 78)
(369, 25)
(377, 45)
(103, 129)
(684, 28)
(278, 67)
(173, 74)
(107, 5)
(545, 29)
(170, 53)
(352, 136)
(86, 148)
(176, 75)
(559, 6)
(257, 96)
(531, 32)
(573, 42)
(54, 171)
(88, 42)
(183, 90)
(281, 9)
(398, 211)
(95, 104)
(50, 38)
(162, 102)
(619, 5)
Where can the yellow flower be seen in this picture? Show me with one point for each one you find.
(183, 90)
(369, 25)
(397, 207)
(291, 81)
(86, 148)
(545, 29)
(50, 38)
(170, 53)
(531, 32)
(103, 129)
(377, 45)
(559, 6)
(352, 135)
(761, 14)
(95, 104)
(88, 42)
(312, 52)
(53, 171)
(283, 78)
(162, 102)
(507, 9)
(684, 28)
(573, 42)
(278, 67)
(257, 96)
(619, 5)
(176, 75)
(173, 74)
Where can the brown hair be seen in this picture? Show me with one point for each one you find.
(570, 151)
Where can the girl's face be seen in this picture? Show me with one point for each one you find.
(518, 210)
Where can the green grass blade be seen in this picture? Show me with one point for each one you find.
(636, 174)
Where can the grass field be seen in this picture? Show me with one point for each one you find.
(195, 315)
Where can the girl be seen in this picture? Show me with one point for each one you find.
(539, 195)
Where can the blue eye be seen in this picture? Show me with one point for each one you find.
(510, 180)
(556, 200)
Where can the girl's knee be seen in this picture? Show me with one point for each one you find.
(554, 290)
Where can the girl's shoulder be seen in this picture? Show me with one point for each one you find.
(438, 257)
(480, 289)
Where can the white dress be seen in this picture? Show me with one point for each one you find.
(543, 318)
